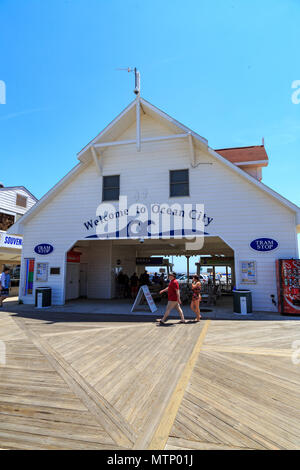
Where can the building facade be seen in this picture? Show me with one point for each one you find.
(14, 202)
(72, 240)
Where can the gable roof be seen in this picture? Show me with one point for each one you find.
(119, 125)
(255, 155)
(9, 188)
(127, 117)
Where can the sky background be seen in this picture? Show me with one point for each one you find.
(223, 68)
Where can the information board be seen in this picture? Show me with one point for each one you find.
(41, 272)
(144, 292)
(248, 272)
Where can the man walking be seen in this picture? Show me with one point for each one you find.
(4, 285)
(173, 299)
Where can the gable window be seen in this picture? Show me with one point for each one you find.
(111, 188)
(21, 201)
(179, 183)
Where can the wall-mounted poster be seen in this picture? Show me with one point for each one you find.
(248, 272)
(41, 272)
(29, 272)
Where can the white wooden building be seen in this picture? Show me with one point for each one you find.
(141, 151)
(14, 202)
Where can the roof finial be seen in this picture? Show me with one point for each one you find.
(137, 79)
(263, 141)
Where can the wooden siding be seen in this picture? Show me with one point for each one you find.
(8, 200)
(240, 211)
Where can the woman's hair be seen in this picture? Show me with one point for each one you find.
(196, 277)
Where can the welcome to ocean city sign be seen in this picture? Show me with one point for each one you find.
(141, 221)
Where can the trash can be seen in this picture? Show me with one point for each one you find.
(242, 301)
(43, 297)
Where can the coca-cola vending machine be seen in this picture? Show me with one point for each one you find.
(288, 285)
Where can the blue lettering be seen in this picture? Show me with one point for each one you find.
(88, 224)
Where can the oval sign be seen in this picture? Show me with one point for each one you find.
(264, 244)
(43, 249)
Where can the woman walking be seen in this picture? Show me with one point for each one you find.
(196, 299)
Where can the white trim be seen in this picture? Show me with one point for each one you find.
(144, 140)
(126, 110)
(5, 211)
(254, 181)
(17, 228)
(192, 150)
(173, 121)
(106, 129)
(96, 160)
(138, 125)
(255, 162)
(11, 188)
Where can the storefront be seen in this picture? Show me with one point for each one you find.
(14, 202)
(142, 187)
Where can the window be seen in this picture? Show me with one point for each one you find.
(21, 200)
(111, 188)
(179, 183)
(6, 221)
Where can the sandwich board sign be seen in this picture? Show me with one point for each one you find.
(144, 292)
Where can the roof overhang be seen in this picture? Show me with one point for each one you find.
(109, 136)
(114, 130)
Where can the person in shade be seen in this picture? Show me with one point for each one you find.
(4, 285)
(173, 299)
(134, 284)
(196, 298)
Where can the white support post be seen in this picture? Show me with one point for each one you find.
(144, 140)
(192, 150)
(226, 278)
(188, 268)
(138, 124)
(96, 161)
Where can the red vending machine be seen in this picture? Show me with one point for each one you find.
(288, 285)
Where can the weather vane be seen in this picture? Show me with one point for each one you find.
(137, 78)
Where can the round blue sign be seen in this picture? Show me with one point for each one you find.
(264, 244)
(43, 249)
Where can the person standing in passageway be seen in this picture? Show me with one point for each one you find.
(174, 300)
(120, 285)
(4, 285)
(134, 284)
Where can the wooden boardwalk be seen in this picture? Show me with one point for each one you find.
(93, 384)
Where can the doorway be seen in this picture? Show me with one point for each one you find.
(83, 280)
(72, 281)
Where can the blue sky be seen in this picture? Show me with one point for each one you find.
(223, 68)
